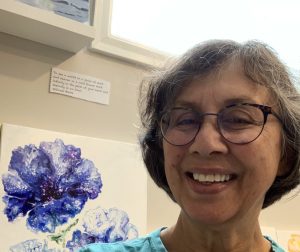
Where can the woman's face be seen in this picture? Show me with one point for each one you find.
(251, 168)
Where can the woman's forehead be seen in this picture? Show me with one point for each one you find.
(223, 88)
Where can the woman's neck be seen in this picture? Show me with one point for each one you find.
(187, 236)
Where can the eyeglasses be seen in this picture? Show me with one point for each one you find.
(237, 123)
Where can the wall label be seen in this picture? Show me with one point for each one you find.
(79, 86)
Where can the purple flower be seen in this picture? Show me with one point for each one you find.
(51, 183)
(101, 225)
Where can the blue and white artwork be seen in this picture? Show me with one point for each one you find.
(48, 184)
(100, 225)
(78, 10)
(60, 192)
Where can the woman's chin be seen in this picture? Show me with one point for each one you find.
(208, 216)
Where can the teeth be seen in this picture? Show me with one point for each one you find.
(218, 177)
(211, 177)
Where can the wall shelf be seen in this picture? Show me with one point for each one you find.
(43, 26)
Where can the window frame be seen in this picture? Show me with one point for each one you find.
(110, 45)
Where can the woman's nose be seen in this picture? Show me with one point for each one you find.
(209, 140)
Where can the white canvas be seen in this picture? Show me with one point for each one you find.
(122, 173)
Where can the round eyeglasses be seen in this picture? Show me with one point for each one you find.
(237, 123)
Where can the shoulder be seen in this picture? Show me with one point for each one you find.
(151, 242)
(275, 246)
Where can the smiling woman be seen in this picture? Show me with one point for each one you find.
(222, 139)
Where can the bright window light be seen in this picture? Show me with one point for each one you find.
(173, 26)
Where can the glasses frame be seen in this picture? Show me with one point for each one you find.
(266, 110)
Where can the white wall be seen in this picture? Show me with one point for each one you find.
(25, 100)
(285, 214)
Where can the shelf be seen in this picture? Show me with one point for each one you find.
(43, 26)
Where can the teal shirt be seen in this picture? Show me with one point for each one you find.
(149, 243)
(275, 246)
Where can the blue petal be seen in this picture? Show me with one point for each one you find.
(85, 179)
(15, 207)
(40, 219)
(30, 164)
(62, 157)
(79, 240)
(46, 217)
(14, 185)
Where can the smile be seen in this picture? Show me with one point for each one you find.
(211, 178)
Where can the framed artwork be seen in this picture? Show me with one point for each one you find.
(289, 240)
(60, 192)
(79, 10)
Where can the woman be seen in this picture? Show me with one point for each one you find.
(222, 139)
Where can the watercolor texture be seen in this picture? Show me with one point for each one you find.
(60, 191)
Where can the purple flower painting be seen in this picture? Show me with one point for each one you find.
(101, 225)
(59, 195)
(48, 184)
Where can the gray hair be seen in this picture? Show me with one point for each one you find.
(260, 64)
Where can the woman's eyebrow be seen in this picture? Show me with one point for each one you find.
(183, 103)
(245, 99)
(186, 104)
(223, 103)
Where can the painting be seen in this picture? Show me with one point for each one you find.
(78, 10)
(289, 240)
(60, 192)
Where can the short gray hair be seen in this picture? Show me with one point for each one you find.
(261, 64)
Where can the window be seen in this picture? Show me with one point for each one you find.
(147, 31)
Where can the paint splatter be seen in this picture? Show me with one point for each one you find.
(101, 225)
(49, 184)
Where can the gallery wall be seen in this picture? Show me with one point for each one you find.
(25, 100)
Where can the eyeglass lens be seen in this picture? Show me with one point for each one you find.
(237, 124)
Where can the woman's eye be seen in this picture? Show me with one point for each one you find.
(186, 121)
(239, 122)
